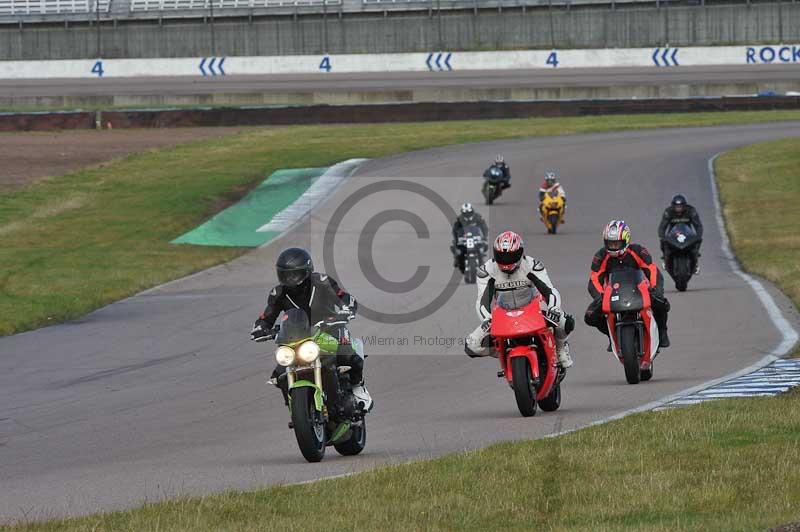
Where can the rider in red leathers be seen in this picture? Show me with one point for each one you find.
(509, 269)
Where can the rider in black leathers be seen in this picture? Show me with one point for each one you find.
(679, 211)
(468, 217)
(321, 298)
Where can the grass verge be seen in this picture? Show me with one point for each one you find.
(728, 465)
(760, 191)
(74, 243)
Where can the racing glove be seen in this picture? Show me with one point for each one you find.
(260, 332)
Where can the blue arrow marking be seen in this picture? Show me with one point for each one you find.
(447, 61)
(655, 57)
(428, 61)
(674, 58)
(664, 57)
(438, 61)
(202, 70)
(219, 66)
(211, 66)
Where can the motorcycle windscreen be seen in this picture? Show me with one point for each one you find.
(294, 327)
(517, 312)
(472, 231)
(622, 293)
(472, 237)
(681, 235)
(494, 175)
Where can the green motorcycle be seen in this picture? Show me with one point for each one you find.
(323, 409)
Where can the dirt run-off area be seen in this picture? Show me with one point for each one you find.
(29, 157)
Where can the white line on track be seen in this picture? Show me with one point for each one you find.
(788, 333)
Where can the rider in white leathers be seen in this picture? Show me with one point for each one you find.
(510, 269)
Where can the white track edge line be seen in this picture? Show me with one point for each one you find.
(788, 333)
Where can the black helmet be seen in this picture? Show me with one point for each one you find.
(679, 203)
(294, 266)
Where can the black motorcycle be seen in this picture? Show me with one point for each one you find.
(472, 246)
(679, 261)
(492, 185)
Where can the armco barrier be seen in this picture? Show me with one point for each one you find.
(410, 112)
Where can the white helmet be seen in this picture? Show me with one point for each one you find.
(467, 208)
(499, 160)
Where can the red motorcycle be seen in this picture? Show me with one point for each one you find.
(633, 330)
(526, 349)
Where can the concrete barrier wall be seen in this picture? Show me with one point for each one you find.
(414, 112)
(443, 62)
(590, 27)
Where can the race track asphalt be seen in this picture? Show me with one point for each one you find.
(163, 393)
(394, 81)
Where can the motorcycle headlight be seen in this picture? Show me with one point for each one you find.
(284, 355)
(308, 351)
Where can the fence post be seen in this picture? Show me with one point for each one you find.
(97, 29)
(213, 36)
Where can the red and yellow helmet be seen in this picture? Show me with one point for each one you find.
(508, 251)
(617, 238)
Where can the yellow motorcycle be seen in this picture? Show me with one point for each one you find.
(552, 211)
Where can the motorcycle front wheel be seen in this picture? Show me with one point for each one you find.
(630, 360)
(523, 387)
(309, 428)
(471, 270)
(553, 220)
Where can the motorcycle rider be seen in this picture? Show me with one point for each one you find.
(679, 211)
(551, 184)
(500, 164)
(510, 268)
(469, 217)
(321, 298)
(618, 253)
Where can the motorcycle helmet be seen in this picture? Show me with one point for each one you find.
(508, 250)
(467, 209)
(499, 160)
(678, 203)
(617, 238)
(294, 265)
(550, 179)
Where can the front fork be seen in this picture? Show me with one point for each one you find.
(291, 375)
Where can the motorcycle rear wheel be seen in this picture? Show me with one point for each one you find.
(308, 431)
(355, 443)
(552, 402)
(630, 360)
(523, 386)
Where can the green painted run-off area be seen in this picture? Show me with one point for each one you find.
(238, 224)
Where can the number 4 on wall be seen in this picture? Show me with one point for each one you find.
(98, 69)
(552, 59)
(325, 64)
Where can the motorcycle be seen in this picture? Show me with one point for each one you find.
(323, 409)
(633, 329)
(552, 211)
(679, 262)
(472, 246)
(492, 185)
(526, 350)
